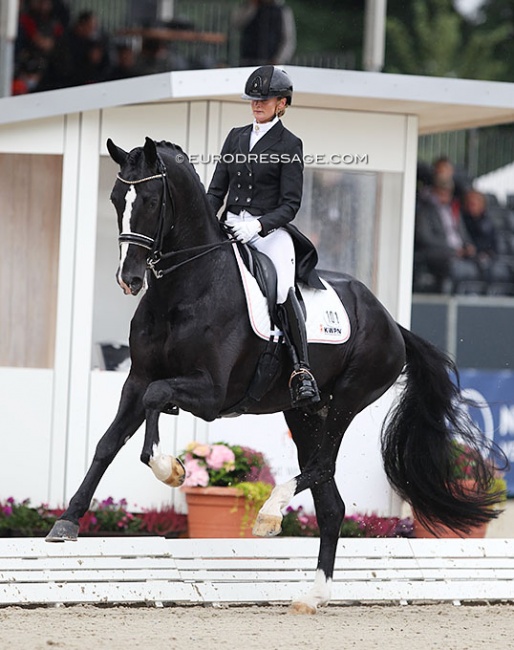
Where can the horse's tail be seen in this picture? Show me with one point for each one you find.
(418, 444)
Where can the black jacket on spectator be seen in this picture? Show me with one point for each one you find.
(482, 232)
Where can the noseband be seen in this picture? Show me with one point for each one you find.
(154, 244)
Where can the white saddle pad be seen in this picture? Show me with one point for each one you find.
(326, 322)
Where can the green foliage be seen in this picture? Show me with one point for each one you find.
(255, 495)
(329, 26)
(433, 39)
(24, 520)
(107, 516)
(297, 523)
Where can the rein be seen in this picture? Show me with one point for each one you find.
(154, 244)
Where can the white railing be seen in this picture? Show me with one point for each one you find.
(158, 571)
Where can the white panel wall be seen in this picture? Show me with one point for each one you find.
(25, 399)
(128, 126)
(326, 132)
(75, 405)
(35, 136)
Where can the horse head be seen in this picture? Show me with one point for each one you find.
(139, 197)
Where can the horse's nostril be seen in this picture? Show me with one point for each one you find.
(136, 284)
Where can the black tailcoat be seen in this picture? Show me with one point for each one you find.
(268, 183)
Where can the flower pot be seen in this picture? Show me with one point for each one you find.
(443, 532)
(218, 512)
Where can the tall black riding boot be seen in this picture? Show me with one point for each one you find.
(302, 384)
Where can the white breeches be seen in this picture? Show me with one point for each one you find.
(278, 246)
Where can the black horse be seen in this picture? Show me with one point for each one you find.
(192, 347)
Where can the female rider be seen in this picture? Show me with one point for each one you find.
(260, 174)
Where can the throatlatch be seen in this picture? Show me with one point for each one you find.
(303, 387)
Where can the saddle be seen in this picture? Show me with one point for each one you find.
(264, 272)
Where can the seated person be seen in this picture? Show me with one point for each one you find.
(482, 230)
(441, 242)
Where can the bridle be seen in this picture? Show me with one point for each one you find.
(154, 244)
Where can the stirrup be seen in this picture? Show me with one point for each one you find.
(303, 387)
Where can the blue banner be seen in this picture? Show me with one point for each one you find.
(493, 390)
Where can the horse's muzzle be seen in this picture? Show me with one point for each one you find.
(131, 286)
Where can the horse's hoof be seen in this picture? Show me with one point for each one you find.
(168, 469)
(63, 531)
(267, 525)
(301, 608)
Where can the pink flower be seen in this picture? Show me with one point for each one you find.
(196, 474)
(221, 456)
(201, 450)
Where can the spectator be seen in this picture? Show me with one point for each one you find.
(125, 65)
(153, 57)
(268, 33)
(95, 66)
(39, 30)
(80, 56)
(27, 76)
(442, 243)
(444, 169)
(483, 233)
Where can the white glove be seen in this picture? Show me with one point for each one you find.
(245, 231)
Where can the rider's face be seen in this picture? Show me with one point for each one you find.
(264, 110)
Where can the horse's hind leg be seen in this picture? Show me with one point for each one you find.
(166, 468)
(269, 519)
(330, 509)
(128, 419)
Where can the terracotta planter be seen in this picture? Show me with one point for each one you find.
(218, 512)
(443, 531)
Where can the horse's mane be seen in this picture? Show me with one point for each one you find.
(174, 149)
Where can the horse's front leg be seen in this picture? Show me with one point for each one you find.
(128, 419)
(166, 468)
(200, 394)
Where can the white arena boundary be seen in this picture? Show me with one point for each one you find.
(158, 571)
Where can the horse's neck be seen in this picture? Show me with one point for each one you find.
(200, 228)
(208, 274)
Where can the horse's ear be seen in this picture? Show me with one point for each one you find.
(150, 150)
(117, 154)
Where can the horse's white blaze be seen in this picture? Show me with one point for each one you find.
(279, 498)
(130, 197)
(320, 593)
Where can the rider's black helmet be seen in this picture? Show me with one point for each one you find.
(269, 81)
